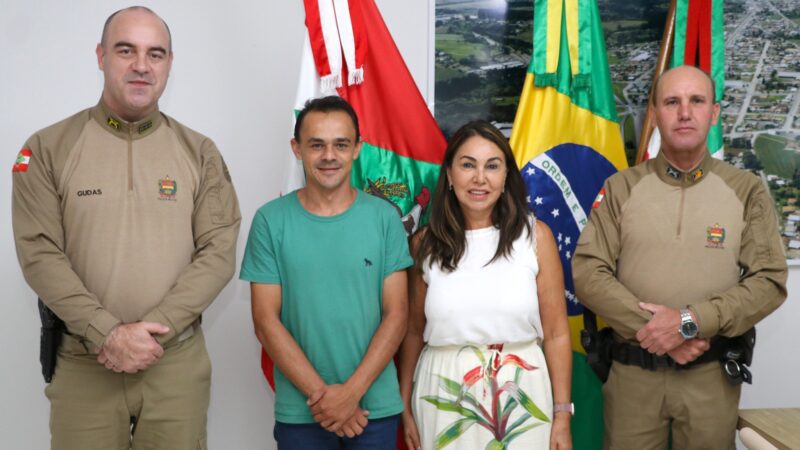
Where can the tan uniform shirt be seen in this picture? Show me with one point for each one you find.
(118, 222)
(708, 238)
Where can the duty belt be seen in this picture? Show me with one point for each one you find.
(633, 355)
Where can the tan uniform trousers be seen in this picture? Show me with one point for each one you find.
(698, 403)
(91, 407)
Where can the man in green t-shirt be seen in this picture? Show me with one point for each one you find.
(328, 288)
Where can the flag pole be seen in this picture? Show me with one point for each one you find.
(664, 56)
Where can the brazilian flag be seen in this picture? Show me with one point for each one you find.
(567, 141)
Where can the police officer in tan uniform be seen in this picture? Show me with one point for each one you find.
(125, 223)
(681, 254)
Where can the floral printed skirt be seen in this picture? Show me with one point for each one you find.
(488, 397)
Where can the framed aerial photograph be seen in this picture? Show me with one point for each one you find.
(483, 48)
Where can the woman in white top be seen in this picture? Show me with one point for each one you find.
(486, 295)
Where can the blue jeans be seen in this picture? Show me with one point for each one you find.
(379, 434)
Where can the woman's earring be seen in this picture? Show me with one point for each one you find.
(450, 187)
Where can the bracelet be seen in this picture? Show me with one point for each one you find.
(564, 407)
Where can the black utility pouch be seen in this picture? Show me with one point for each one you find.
(738, 356)
(49, 340)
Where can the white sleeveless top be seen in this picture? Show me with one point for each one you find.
(480, 304)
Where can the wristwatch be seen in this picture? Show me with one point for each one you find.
(564, 407)
(688, 328)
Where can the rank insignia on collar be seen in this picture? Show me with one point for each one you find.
(113, 123)
(167, 188)
(697, 174)
(715, 236)
(23, 161)
(144, 127)
(674, 173)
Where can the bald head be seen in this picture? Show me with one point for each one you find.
(107, 25)
(684, 71)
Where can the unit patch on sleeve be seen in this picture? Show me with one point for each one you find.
(23, 161)
(599, 199)
(167, 188)
(715, 236)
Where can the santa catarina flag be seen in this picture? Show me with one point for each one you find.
(699, 40)
(567, 141)
(349, 52)
(403, 146)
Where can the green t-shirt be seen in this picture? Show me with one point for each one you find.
(331, 272)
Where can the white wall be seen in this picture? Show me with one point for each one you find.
(233, 79)
(776, 362)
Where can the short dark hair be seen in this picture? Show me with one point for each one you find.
(653, 97)
(133, 8)
(327, 104)
(444, 240)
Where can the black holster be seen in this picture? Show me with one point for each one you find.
(597, 344)
(49, 340)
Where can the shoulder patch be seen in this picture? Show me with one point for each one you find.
(23, 160)
(599, 199)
